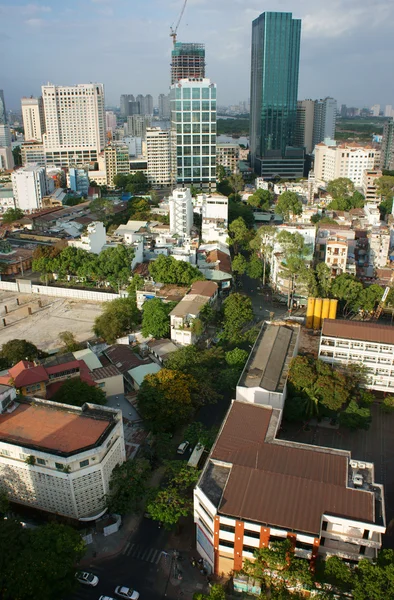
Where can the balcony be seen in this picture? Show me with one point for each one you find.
(351, 539)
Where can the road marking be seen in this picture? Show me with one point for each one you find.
(148, 557)
(144, 554)
(127, 547)
(158, 558)
(130, 549)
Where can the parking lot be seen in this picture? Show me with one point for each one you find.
(46, 321)
(375, 445)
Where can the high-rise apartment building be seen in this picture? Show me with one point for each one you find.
(29, 186)
(110, 121)
(117, 162)
(164, 106)
(148, 106)
(324, 120)
(75, 123)
(304, 125)
(124, 104)
(33, 119)
(274, 85)
(158, 155)
(187, 61)
(345, 160)
(6, 160)
(387, 156)
(388, 111)
(137, 124)
(3, 113)
(193, 127)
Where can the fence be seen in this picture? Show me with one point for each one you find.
(24, 286)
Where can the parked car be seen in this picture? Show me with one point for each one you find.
(183, 447)
(126, 592)
(106, 598)
(86, 578)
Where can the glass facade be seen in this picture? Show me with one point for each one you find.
(193, 127)
(274, 84)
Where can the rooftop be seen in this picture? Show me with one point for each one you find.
(191, 304)
(204, 288)
(123, 357)
(253, 476)
(105, 372)
(269, 360)
(47, 426)
(139, 373)
(359, 330)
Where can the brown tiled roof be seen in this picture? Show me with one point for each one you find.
(279, 483)
(204, 288)
(51, 428)
(123, 357)
(105, 372)
(223, 260)
(357, 330)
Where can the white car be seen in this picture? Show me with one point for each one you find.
(86, 578)
(126, 592)
(183, 447)
(106, 598)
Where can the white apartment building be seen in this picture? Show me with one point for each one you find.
(188, 309)
(181, 212)
(336, 254)
(117, 162)
(30, 185)
(379, 246)
(367, 343)
(94, 239)
(256, 489)
(137, 124)
(75, 123)
(158, 156)
(59, 458)
(213, 209)
(370, 190)
(134, 145)
(6, 158)
(344, 160)
(193, 127)
(33, 119)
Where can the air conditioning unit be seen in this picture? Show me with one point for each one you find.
(358, 480)
(361, 465)
(354, 464)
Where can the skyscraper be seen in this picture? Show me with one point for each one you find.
(188, 61)
(6, 157)
(3, 114)
(33, 119)
(193, 130)
(164, 106)
(316, 121)
(274, 85)
(387, 153)
(75, 123)
(124, 104)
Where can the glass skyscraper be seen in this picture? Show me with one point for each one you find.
(274, 85)
(193, 132)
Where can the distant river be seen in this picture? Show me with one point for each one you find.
(227, 138)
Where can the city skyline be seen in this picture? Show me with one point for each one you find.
(334, 56)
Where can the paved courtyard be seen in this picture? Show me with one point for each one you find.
(43, 326)
(375, 445)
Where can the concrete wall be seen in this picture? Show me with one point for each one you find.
(26, 287)
(113, 386)
(257, 395)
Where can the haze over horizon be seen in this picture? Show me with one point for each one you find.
(346, 46)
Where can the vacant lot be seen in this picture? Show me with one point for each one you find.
(43, 326)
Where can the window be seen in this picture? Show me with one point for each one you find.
(303, 546)
(324, 526)
(5, 452)
(101, 385)
(252, 534)
(84, 463)
(365, 534)
(226, 543)
(249, 549)
(227, 528)
(41, 461)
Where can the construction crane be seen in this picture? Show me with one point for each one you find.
(175, 29)
(378, 311)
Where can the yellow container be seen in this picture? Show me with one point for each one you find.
(326, 309)
(317, 313)
(333, 308)
(309, 312)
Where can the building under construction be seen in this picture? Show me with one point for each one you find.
(188, 61)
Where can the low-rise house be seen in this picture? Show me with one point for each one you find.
(166, 293)
(161, 349)
(109, 379)
(215, 264)
(360, 342)
(124, 360)
(93, 240)
(188, 309)
(138, 374)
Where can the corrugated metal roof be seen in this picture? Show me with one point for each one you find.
(359, 330)
(280, 483)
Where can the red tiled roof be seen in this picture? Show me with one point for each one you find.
(223, 260)
(51, 428)
(359, 330)
(74, 364)
(26, 373)
(282, 484)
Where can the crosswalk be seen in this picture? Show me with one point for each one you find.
(144, 553)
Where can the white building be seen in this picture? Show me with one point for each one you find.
(193, 127)
(388, 111)
(188, 310)
(134, 145)
(375, 110)
(33, 119)
(158, 155)
(379, 246)
(30, 185)
(344, 160)
(6, 158)
(137, 124)
(336, 254)
(181, 212)
(110, 121)
(94, 240)
(59, 458)
(213, 209)
(366, 343)
(75, 123)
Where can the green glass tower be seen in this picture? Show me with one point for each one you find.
(274, 85)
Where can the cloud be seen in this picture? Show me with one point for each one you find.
(34, 22)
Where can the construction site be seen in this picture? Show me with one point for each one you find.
(40, 320)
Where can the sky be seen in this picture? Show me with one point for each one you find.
(346, 46)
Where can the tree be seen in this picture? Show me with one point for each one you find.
(120, 181)
(16, 350)
(238, 209)
(216, 592)
(205, 366)
(237, 312)
(239, 264)
(355, 417)
(236, 182)
(40, 562)
(261, 199)
(347, 289)
(220, 173)
(12, 214)
(127, 486)
(119, 317)
(374, 581)
(155, 318)
(263, 244)
(288, 204)
(236, 357)
(166, 269)
(340, 188)
(294, 252)
(167, 399)
(323, 276)
(196, 433)
(17, 154)
(387, 404)
(101, 208)
(69, 341)
(76, 392)
(239, 234)
(254, 267)
(334, 571)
